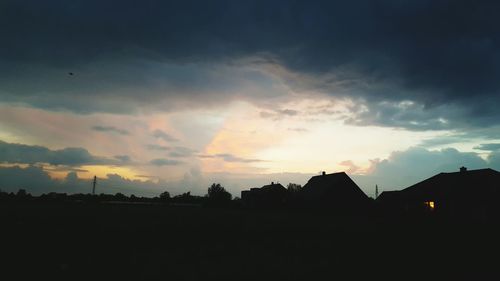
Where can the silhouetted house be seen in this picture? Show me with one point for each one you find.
(271, 195)
(334, 191)
(461, 193)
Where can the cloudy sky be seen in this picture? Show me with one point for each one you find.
(173, 95)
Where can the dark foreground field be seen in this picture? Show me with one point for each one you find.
(187, 243)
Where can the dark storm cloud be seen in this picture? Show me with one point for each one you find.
(111, 129)
(31, 154)
(434, 53)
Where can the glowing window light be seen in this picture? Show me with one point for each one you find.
(430, 204)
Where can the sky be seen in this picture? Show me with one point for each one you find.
(154, 96)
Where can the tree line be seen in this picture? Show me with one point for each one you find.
(216, 195)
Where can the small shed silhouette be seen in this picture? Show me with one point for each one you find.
(270, 195)
(334, 191)
(463, 193)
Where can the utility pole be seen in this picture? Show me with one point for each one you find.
(93, 185)
(376, 191)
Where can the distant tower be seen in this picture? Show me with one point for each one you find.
(93, 185)
(376, 191)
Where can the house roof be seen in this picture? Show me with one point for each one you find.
(389, 195)
(470, 183)
(336, 186)
(273, 186)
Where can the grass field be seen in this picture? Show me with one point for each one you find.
(187, 243)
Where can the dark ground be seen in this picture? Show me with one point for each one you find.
(89, 241)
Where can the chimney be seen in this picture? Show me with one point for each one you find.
(463, 169)
(323, 173)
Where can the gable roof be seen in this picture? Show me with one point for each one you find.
(335, 186)
(273, 186)
(464, 183)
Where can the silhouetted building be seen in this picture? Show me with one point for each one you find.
(334, 191)
(462, 193)
(271, 195)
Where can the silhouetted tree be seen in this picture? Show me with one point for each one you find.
(120, 197)
(21, 193)
(184, 195)
(217, 193)
(293, 187)
(164, 196)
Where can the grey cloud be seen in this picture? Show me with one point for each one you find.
(278, 114)
(146, 176)
(488, 146)
(132, 84)
(404, 114)
(164, 136)
(267, 114)
(231, 158)
(164, 162)
(300, 130)
(31, 154)
(37, 181)
(484, 134)
(404, 168)
(421, 161)
(111, 129)
(31, 178)
(63, 168)
(180, 152)
(306, 115)
(289, 112)
(494, 160)
(157, 147)
(123, 158)
(325, 109)
(443, 140)
(414, 115)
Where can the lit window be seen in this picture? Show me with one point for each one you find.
(430, 204)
